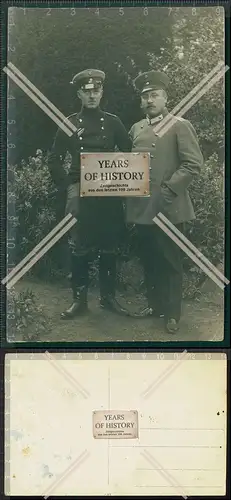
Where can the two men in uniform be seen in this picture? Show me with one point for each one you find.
(175, 160)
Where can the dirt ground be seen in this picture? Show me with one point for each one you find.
(202, 320)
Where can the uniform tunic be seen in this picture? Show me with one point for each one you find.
(175, 160)
(100, 220)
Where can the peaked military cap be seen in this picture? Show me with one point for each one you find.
(151, 80)
(89, 79)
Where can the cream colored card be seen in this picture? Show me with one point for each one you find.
(177, 403)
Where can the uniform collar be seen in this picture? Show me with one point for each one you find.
(157, 119)
(91, 112)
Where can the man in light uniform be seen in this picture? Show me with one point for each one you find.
(175, 160)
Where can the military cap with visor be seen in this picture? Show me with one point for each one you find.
(151, 80)
(89, 79)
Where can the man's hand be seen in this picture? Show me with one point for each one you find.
(73, 199)
(167, 196)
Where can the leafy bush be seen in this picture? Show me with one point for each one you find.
(37, 210)
(29, 316)
(36, 206)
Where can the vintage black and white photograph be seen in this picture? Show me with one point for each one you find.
(116, 174)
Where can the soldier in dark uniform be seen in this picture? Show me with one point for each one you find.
(100, 221)
(175, 160)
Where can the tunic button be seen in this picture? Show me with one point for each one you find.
(80, 138)
(141, 126)
(153, 145)
(80, 120)
(152, 156)
(81, 147)
(102, 119)
(102, 128)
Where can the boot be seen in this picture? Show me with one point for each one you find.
(171, 325)
(79, 285)
(107, 282)
(79, 306)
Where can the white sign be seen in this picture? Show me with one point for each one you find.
(114, 174)
(111, 424)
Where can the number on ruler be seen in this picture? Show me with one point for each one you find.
(10, 245)
(191, 355)
(10, 316)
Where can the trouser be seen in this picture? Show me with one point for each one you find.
(161, 259)
(80, 273)
(99, 231)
